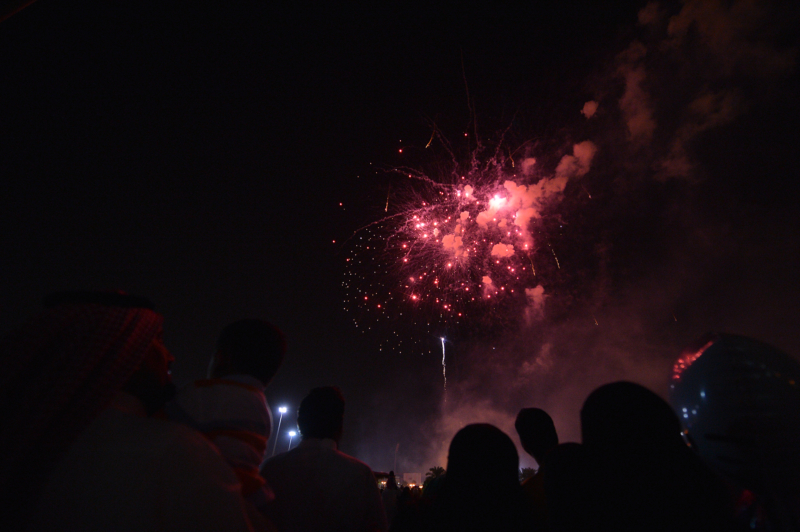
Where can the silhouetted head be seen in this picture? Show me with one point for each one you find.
(481, 489)
(482, 451)
(623, 417)
(321, 413)
(151, 379)
(251, 347)
(537, 433)
(643, 476)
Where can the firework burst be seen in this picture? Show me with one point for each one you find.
(459, 251)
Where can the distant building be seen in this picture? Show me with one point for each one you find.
(412, 479)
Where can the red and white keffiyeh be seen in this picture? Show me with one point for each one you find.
(57, 373)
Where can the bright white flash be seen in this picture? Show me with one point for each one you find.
(497, 202)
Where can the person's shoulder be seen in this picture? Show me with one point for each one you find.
(148, 440)
(275, 460)
(187, 451)
(235, 383)
(351, 459)
(180, 436)
(208, 400)
(280, 461)
(354, 463)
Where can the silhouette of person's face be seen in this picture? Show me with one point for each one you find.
(152, 381)
(158, 360)
(217, 365)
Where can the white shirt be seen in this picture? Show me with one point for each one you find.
(232, 412)
(129, 472)
(320, 488)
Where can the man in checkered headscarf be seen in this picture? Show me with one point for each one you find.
(78, 448)
(61, 369)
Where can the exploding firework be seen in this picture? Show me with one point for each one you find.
(460, 250)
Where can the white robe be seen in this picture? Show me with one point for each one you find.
(129, 472)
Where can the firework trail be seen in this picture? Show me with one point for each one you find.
(444, 370)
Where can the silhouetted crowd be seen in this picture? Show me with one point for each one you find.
(94, 437)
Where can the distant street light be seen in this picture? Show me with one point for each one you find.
(292, 434)
(282, 410)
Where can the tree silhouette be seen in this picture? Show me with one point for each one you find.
(433, 473)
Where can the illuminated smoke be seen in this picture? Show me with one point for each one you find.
(637, 109)
(535, 308)
(454, 243)
(528, 164)
(697, 71)
(589, 109)
(740, 35)
(502, 250)
(579, 163)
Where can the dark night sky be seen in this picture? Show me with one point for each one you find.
(197, 154)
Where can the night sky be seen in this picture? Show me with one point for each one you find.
(198, 155)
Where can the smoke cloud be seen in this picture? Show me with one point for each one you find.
(579, 163)
(697, 71)
(502, 250)
(635, 104)
(535, 308)
(589, 109)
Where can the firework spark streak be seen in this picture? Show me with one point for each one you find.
(460, 246)
(444, 370)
